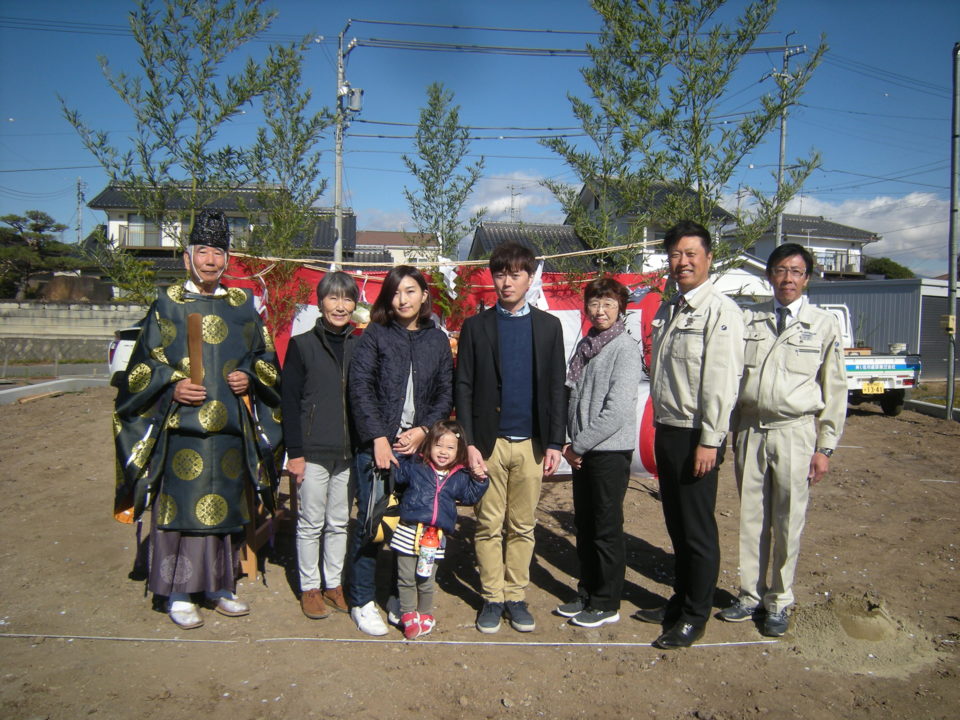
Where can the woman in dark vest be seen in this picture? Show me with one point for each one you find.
(319, 447)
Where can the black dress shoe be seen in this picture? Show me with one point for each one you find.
(654, 616)
(681, 635)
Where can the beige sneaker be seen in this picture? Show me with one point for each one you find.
(311, 602)
(334, 596)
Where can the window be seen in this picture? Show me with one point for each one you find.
(139, 233)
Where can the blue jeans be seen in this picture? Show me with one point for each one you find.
(362, 587)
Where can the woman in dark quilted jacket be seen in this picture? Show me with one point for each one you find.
(401, 383)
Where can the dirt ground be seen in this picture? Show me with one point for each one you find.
(874, 634)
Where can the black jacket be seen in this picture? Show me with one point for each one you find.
(479, 380)
(314, 403)
(378, 379)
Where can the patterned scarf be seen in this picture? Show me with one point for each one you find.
(591, 345)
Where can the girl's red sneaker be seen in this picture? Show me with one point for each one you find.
(411, 625)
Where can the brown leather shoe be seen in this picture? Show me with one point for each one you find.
(335, 597)
(311, 602)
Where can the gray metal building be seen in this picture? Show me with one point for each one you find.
(895, 311)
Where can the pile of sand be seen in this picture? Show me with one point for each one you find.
(858, 635)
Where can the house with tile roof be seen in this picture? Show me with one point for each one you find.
(403, 248)
(541, 238)
(837, 249)
(244, 208)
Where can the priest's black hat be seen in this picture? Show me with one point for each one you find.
(211, 228)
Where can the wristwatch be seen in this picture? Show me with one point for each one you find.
(825, 451)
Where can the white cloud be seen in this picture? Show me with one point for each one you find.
(519, 191)
(913, 227)
(376, 219)
(531, 202)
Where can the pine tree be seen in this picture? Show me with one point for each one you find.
(29, 247)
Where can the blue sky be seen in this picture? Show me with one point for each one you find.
(878, 108)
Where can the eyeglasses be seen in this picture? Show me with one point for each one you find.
(608, 305)
(793, 272)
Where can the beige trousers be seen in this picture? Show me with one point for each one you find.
(772, 466)
(506, 518)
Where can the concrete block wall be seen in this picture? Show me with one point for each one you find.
(32, 332)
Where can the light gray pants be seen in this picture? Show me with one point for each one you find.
(325, 494)
(772, 467)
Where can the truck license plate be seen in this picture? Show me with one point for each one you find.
(872, 388)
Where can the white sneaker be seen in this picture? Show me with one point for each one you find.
(368, 619)
(227, 603)
(393, 611)
(184, 614)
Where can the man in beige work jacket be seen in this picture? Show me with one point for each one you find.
(695, 372)
(793, 401)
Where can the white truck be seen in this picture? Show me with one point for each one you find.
(883, 379)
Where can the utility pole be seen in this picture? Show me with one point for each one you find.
(81, 186)
(951, 319)
(783, 77)
(348, 101)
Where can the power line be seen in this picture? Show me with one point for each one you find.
(23, 195)
(79, 28)
(468, 127)
(83, 28)
(914, 227)
(475, 27)
(503, 29)
(865, 67)
(424, 46)
(876, 73)
(470, 155)
(473, 137)
(875, 180)
(65, 167)
(886, 142)
(899, 178)
(872, 114)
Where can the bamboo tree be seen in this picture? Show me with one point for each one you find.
(659, 148)
(442, 143)
(286, 168)
(182, 99)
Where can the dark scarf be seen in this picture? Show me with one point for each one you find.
(591, 345)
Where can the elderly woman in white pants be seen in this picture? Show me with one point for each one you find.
(319, 446)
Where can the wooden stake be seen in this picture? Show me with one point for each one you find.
(195, 347)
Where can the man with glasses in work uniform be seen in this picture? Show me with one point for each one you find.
(789, 417)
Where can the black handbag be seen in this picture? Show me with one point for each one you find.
(383, 513)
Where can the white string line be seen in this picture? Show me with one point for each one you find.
(488, 643)
(43, 636)
(512, 643)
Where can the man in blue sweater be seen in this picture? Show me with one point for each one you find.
(510, 399)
